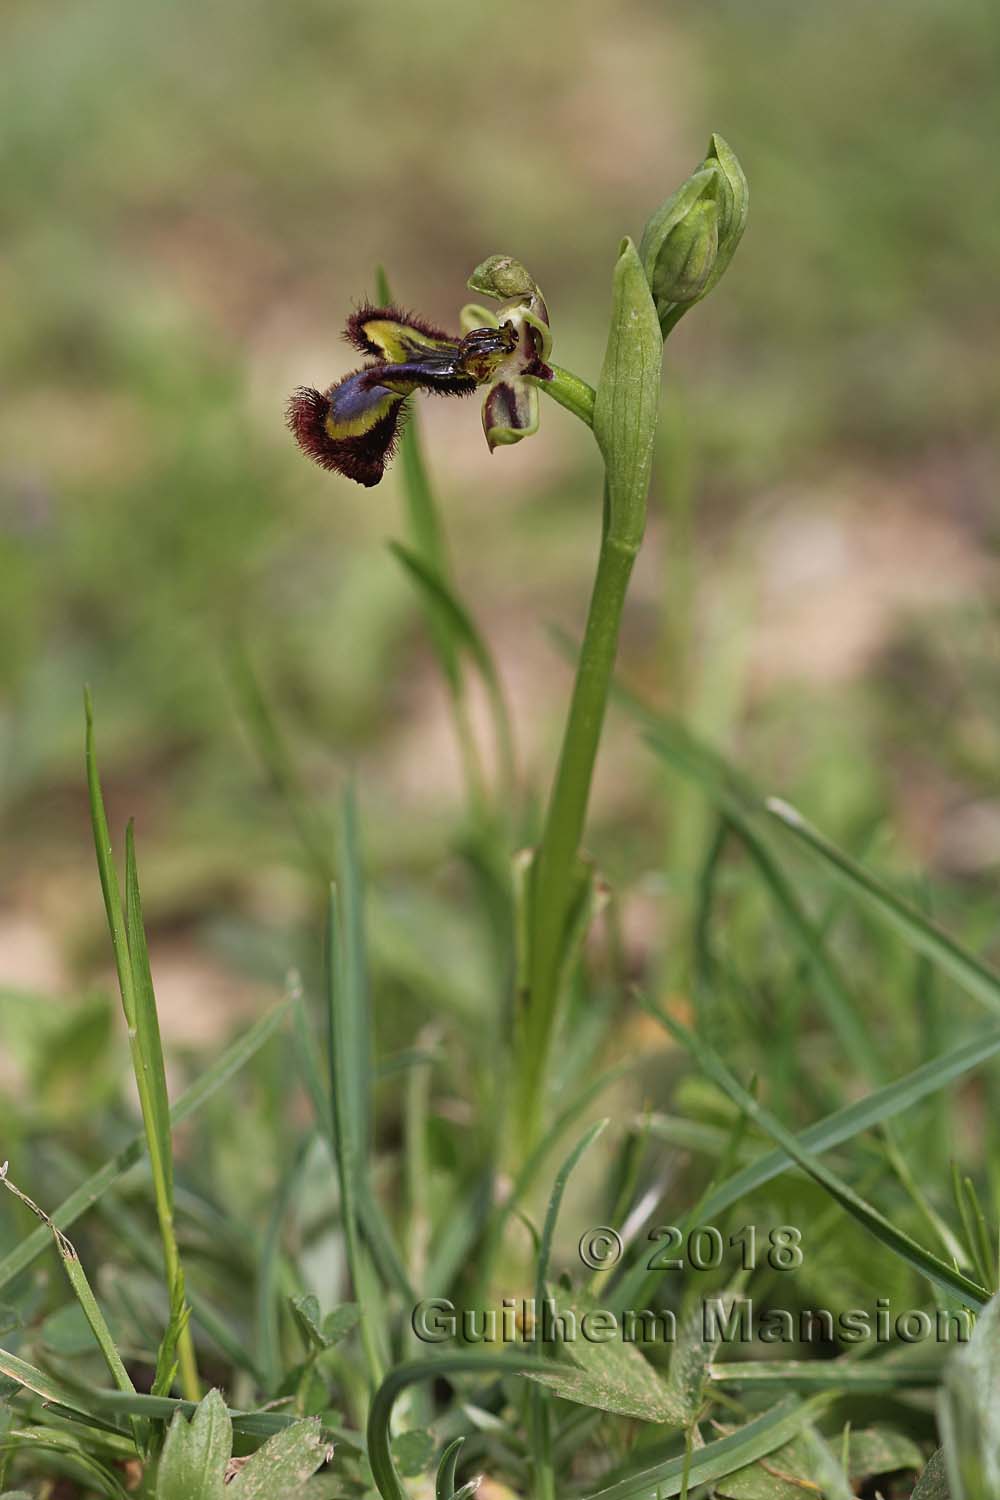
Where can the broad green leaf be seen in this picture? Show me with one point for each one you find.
(880, 1450)
(606, 1372)
(196, 1452)
(969, 1413)
(933, 1482)
(279, 1469)
(339, 1321)
(413, 1451)
(690, 1358)
(305, 1311)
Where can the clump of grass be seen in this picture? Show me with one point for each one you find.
(288, 1256)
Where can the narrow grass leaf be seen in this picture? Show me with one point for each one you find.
(717, 1459)
(874, 1376)
(926, 937)
(75, 1462)
(836, 1128)
(843, 1124)
(278, 761)
(128, 942)
(153, 1086)
(81, 1286)
(870, 1218)
(373, 1223)
(721, 784)
(532, 1166)
(349, 1036)
(162, 1408)
(441, 597)
(106, 869)
(540, 1417)
(444, 1485)
(86, 1195)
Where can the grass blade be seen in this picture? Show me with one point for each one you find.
(87, 1194)
(128, 940)
(845, 1123)
(872, 1376)
(922, 1260)
(350, 1059)
(278, 761)
(724, 1456)
(441, 597)
(77, 1277)
(376, 1231)
(832, 1131)
(541, 1430)
(731, 796)
(925, 936)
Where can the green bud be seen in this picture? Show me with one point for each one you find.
(734, 194)
(501, 276)
(687, 256)
(690, 240)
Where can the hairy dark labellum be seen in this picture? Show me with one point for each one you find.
(352, 427)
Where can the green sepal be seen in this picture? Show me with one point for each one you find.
(474, 315)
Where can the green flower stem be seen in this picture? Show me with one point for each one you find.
(570, 391)
(555, 866)
(623, 416)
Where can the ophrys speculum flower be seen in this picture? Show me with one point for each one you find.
(352, 426)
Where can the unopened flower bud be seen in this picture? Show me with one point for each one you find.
(687, 256)
(501, 277)
(690, 240)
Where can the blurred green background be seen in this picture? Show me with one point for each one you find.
(194, 197)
